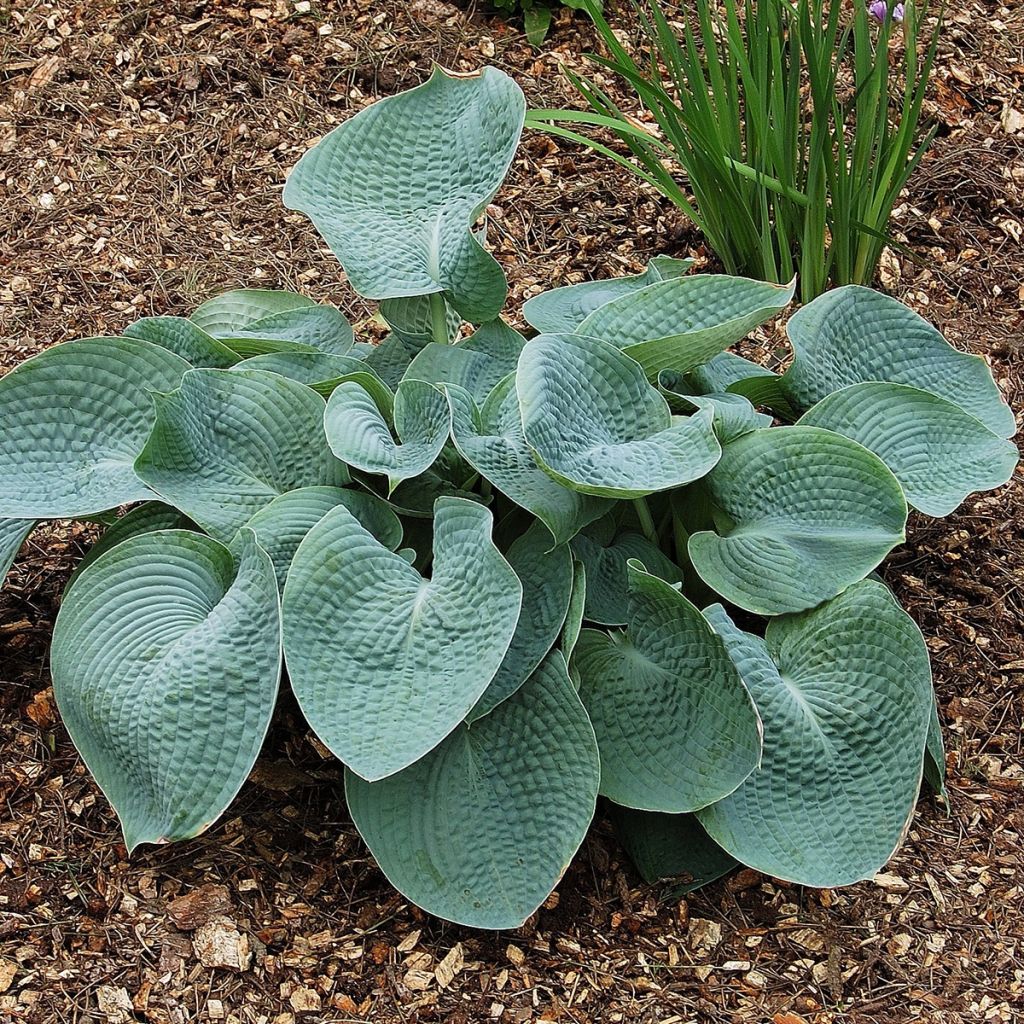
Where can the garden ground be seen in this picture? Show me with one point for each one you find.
(142, 151)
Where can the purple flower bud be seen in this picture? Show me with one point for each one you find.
(878, 10)
(897, 12)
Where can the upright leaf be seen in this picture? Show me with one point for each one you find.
(802, 513)
(228, 442)
(675, 726)
(853, 335)
(383, 662)
(166, 658)
(74, 419)
(481, 829)
(13, 533)
(844, 692)
(595, 424)
(683, 322)
(399, 218)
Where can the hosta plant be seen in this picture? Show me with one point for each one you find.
(503, 576)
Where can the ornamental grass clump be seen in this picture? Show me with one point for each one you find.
(784, 131)
(503, 576)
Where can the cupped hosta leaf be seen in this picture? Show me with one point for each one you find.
(683, 322)
(670, 846)
(938, 452)
(184, 338)
(481, 829)
(852, 335)
(401, 226)
(732, 415)
(477, 364)
(605, 550)
(324, 372)
(844, 692)
(148, 517)
(281, 525)
(562, 310)
(802, 513)
(235, 311)
(166, 659)
(383, 662)
(491, 440)
(412, 320)
(228, 442)
(595, 424)
(321, 328)
(360, 436)
(546, 574)
(74, 419)
(13, 533)
(675, 725)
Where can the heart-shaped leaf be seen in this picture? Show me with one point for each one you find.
(281, 525)
(360, 436)
(562, 310)
(74, 418)
(166, 659)
(228, 442)
(546, 574)
(184, 338)
(682, 322)
(676, 728)
(491, 440)
(853, 335)
(13, 533)
(383, 662)
(234, 311)
(400, 225)
(481, 829)
(844, 692)
(803, 513)
(938, 452)
(477, 364)
(604, 550)
(595, 424)
(670, 846)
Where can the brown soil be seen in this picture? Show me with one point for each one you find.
(142, 151)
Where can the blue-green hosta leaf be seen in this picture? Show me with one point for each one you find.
(935, 754)
(675, 725)
(595, 424)
(574, 614)
(228, 442)
(670, 846)
(319, 328)
(360, 436)
(562, 310)
(852, 335)
(683, 322)
(605, 551)
(804, 512)
(235, 311)
(184, 338)
(13, 533)
(735, 375)
(148, 517)
(399, 217)
(323, 372)
(166, 658)
(74, 418)
(491, 441)
(281, 525)
(412, 320)
(477, 364)
(383, 662)
(389, 360)
(844, 692)
(481, 829)
(732, 415)
(546, 574)
(939, 453)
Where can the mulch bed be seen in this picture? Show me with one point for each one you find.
(143, 148)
